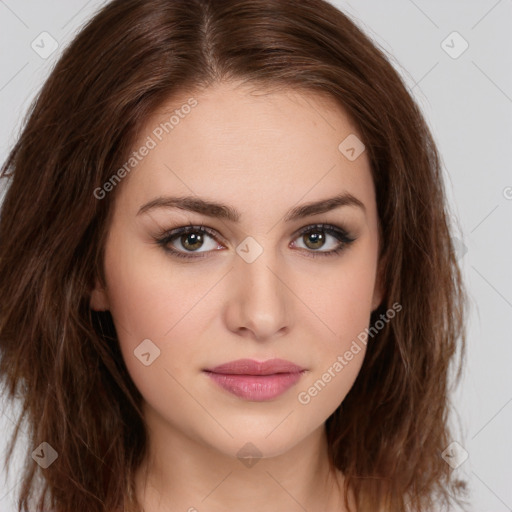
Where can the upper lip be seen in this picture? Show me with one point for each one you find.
(252, 367)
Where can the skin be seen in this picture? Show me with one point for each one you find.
(262, 153)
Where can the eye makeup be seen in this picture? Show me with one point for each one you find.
(196, 234)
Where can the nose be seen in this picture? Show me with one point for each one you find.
(259, 301)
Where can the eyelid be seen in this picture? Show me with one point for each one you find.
(323, 226)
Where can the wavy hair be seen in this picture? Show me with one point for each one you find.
(62, 361)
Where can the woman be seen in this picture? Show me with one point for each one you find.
(227, 274)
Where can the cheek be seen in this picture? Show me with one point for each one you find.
(341, 351)
(143, 307)
(343, 297)
(343, 304)
(150, 299)
(139, 306)
(147, 297)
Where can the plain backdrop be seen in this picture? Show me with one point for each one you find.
(456, 57)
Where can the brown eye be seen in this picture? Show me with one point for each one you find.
(323, 240)
(314, 239)
(192, 241)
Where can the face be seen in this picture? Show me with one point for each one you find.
(256, 275)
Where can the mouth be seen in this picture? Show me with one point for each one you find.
(256, 381)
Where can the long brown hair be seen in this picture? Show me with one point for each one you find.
(62, 360)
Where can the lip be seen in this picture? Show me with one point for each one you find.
(253, 367)
(254, 380)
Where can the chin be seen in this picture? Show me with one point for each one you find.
(264, 441)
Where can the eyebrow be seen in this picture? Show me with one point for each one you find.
(223, 211)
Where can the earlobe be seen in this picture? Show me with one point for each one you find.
(99, 299)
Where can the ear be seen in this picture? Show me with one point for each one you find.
(378, 290)
(99, 298)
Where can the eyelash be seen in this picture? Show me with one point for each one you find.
(169, 236)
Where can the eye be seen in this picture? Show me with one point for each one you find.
(189, 239)
(317, 237)
(193, 242)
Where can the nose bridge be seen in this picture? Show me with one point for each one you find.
(259, 299)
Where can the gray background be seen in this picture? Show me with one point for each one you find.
(467, 100)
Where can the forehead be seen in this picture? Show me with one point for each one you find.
(248, 146)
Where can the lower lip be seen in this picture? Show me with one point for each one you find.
(257, 388)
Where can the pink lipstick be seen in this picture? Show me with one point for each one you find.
(256, 381)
